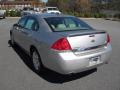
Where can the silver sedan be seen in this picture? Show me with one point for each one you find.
(62, 43)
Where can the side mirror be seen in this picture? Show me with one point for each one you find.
(15, 25)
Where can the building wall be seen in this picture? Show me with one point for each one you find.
(19, 4)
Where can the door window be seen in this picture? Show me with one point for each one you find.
(22, 21)
(32, 24)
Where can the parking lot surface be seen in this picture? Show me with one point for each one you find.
(16, 71)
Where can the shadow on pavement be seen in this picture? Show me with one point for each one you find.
(47, 74)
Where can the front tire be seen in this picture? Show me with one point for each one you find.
(36, 60)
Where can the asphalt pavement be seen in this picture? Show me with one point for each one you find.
(16, 72)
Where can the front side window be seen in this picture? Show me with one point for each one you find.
(66, 24)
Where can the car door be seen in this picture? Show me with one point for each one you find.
(18, 28)
(27, 35)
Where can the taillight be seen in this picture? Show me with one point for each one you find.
(108, 38)
(61, 44)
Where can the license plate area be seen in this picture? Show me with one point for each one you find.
(94, 60)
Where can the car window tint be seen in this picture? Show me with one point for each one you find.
(22, 22)
(36, 26)
(32, 24)
(70, 23)
(29, 24)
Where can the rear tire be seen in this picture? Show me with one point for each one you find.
(36, 60)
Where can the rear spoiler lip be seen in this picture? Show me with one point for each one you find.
(88, 33)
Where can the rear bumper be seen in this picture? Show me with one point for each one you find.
(68, 62)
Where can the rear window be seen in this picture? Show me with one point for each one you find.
(52, 9)
(28, 8)
(58, 24)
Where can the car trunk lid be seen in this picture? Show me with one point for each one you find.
(87, 40)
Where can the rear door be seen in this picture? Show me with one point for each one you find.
(18, 30)
(27, 35)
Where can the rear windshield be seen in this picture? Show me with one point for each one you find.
(66, 24)
(28, 8)
(52, 9)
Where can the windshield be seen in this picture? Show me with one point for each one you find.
(28, 8)
(66, 24)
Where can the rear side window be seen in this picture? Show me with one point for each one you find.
(29, 24)
(22, 21)
(32, 24)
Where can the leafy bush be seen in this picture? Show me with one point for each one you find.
(7, 13)
(96, 15)
(16, 13)
(87, 15)
(117, 16)
(13, 13)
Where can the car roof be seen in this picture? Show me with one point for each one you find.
(47, 15)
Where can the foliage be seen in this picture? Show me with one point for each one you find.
(115, 5)
(80, 8)
(71, 5)
(13, 13)
(117, 16)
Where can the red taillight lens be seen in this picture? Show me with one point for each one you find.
(108, 38)
(61, 44)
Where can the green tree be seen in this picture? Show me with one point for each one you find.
(82, 6)
(115, 5)
(63, 5)
(53, 2)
